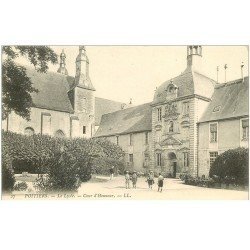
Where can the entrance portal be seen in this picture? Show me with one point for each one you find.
(172, 158)
(174, 169)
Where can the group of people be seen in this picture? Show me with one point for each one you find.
(133, 178)
(149, 180)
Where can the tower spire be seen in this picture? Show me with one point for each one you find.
(82, 69)
(62, 69)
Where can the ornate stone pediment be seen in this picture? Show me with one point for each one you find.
(170, 140)
(184, 149)
(171, 111)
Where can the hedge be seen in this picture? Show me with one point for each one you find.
(231, 167)
(63, 163)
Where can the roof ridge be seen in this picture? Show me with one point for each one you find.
(111, 100)
(127, 108)
(29, 67)
(236, 81)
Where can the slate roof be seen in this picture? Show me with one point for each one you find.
(104, 106)
(229, 100)
(52, 89)
(130, 120)
(189, 82)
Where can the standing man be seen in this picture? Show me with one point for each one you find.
(134, 179)
(111, 170)
(150, 179)
(127, 179)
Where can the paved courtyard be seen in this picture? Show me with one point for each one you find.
(173, 189)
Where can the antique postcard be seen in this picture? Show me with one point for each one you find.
(125, 122)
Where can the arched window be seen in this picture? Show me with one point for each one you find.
(59, 133)
(171, 90)
(171, 127)
(29, 131)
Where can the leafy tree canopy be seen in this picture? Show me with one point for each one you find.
(16, 85)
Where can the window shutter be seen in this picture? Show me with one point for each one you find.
(245, 123)
(213, 128)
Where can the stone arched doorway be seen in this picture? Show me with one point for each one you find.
(173, 161)
(59, 133)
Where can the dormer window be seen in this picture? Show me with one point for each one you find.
(171, 91)
(217, 108)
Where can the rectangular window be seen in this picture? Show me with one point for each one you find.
(158, 159)
(185, 108)
(131, 158)
(245, 129)
(159, 114)
(146, 138)
(213, 156)
(131, 139)
(117, 140)
(46, 124)
(213, 132)
(186, 159)
(84, 130)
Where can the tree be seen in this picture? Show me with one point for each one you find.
(16, 83)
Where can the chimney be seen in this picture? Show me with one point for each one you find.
(217, 68)
(242, 73)
(225, 67)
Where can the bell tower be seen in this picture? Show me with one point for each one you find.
(84, 99)
(194, 57)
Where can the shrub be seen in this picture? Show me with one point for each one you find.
(231, 166)
(23, 165)
(8, 178)
(21, 186)
(102, 165)
(62, 175)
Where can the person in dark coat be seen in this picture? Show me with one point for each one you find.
(160, 182)
(127, 179)
(134, 179)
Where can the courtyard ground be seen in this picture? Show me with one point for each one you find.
(173, 189)
(101, 187)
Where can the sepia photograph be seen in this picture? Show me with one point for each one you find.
(125, 122)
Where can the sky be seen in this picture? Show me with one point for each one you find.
(123, 72)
